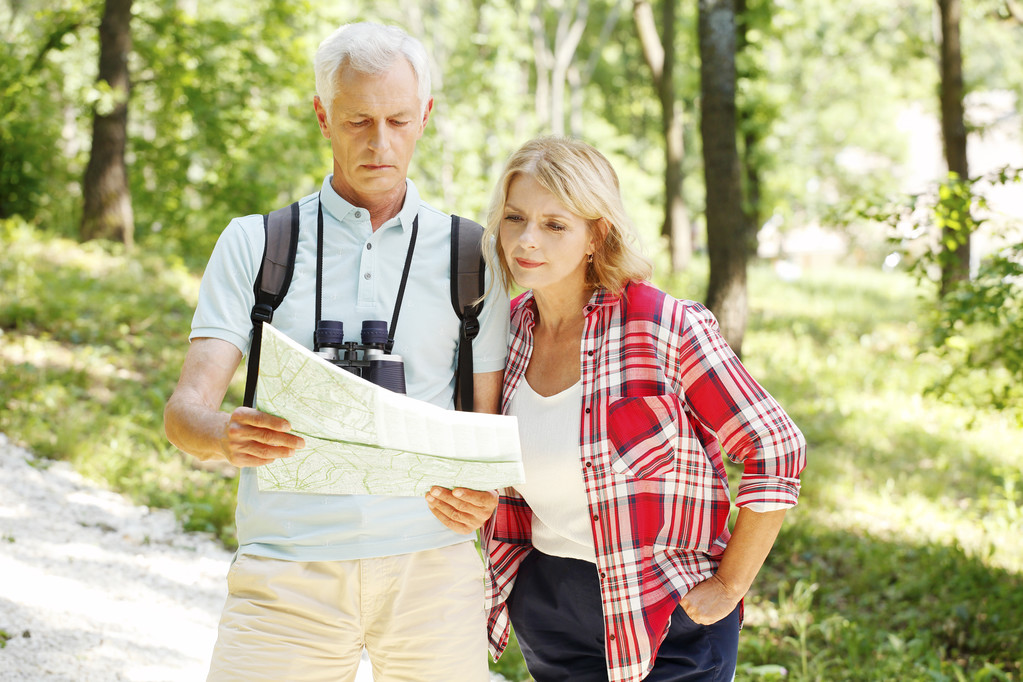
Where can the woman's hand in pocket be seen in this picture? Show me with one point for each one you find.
(710, 601)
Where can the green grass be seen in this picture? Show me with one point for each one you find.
(903, 560)
(91, 343)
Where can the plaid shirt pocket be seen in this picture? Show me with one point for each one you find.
(644, 433)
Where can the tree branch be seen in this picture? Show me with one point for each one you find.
(649, 38)
(1015, 11)
(53, 43)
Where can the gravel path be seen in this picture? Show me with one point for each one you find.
(96, 589)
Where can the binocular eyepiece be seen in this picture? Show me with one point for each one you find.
(368, 359)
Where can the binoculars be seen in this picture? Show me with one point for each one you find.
(369, 359)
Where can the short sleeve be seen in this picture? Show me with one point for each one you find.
(490, 348)
(225, 293)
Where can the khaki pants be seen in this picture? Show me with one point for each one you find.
(420, 617)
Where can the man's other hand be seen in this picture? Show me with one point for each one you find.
(462, 510)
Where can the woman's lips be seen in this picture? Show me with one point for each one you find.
(523, 263)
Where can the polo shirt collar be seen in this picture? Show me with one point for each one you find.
(342, 211)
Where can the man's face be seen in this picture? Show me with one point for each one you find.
(374, 124)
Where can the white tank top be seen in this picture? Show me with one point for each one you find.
(554, 488)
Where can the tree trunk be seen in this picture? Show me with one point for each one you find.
(659, 52)
(107, 212)
(750, 137)
(728, 242)
(543, 60)
(554, 60)
(956, 264)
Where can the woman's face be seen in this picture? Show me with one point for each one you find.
(544, 244)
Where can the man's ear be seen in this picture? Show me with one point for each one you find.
(426, 115)
(321, 117)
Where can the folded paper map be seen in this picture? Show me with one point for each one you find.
(364, 439)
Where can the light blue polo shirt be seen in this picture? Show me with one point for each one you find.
(361, 274)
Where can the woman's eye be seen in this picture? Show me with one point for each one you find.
(557, 227)
(513, 218)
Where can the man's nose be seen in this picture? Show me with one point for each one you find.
(380, 140)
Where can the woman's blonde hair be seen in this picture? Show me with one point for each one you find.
(583, 180)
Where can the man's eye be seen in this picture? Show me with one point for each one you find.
(400, 124)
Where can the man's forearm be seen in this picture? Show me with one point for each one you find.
(196, 429)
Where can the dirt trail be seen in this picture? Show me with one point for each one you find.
(96, 589)
(93, 587)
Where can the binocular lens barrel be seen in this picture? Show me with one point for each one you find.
(374, 332)
(330, 333)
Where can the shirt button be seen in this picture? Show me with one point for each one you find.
(611, 636)
(589, 464)
(590, 353)
(587, 410)
(596, 518)
(603, 575)
(367, 276)
(358, 214)
(369, 247)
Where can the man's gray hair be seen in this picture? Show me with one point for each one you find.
(368, 48)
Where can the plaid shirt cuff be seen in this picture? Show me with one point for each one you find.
(771, 491)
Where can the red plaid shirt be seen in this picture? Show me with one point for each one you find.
(662, 392)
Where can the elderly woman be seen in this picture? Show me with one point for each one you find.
(614, 560)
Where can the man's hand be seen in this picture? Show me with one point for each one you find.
(195, 423)
(255, 438)
(462, 510)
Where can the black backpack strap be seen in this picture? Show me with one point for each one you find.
(468, 273)
(272, 282)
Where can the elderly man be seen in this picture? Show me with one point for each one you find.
(317, 578)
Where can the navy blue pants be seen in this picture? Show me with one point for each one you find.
(559, 622)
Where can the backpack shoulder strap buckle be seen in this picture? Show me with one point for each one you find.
(261, 312)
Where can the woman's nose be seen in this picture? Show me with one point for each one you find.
(528, 235)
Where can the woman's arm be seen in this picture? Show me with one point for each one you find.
(751, 542)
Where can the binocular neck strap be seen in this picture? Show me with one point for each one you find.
(401, 287)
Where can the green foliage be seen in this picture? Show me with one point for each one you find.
(91, 342)
(820, 95)
(222, 118)
(511, 666)
(977, 326)
(37, 160)
(903, 560)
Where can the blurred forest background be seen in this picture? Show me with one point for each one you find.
(839, 182)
